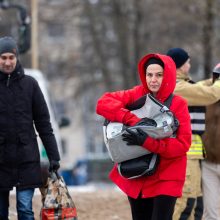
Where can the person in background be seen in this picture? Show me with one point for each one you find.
(22, 106)
(152, 197)
(211, 164)
(190, 206)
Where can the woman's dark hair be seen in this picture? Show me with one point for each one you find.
(153, 60)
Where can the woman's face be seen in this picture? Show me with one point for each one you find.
(154, 77)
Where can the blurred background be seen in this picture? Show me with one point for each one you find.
(86, 47)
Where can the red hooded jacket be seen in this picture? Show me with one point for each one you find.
(170, 174)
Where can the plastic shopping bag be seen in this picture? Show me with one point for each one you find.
(57, 202)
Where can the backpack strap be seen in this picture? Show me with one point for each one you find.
(137, 104)
(168, 101)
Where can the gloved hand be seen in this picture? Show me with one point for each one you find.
(215, 76)
(216, 72)
(137, 137)
(147, 122)
(54, 165)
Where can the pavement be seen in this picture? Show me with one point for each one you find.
(94, 201)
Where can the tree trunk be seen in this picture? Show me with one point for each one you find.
(207, 39)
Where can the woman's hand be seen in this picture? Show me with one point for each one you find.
(134, 136)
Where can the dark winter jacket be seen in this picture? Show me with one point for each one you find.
(211, 138)
(22, 106)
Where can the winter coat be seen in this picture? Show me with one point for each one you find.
(203, 93)
(197, 94)
(170, 174)
(22, 106)
(211, 138)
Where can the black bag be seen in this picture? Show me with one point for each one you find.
(141, 166)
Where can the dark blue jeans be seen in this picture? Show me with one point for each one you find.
(24, 204)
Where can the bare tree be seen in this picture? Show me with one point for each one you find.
(96, 42)
(208, 33)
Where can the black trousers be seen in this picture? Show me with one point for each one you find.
(198, 209)
(155, 208)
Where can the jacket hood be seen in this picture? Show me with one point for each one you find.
(169, 79)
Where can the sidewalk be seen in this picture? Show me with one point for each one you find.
(95, 201)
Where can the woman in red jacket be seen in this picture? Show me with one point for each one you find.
(152, 197)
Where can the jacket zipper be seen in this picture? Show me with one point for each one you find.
(8, 80)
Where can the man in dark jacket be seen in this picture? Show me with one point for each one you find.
(22, 107)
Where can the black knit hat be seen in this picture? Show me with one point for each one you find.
(154, 60)
(8, 45)
(178, 55)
